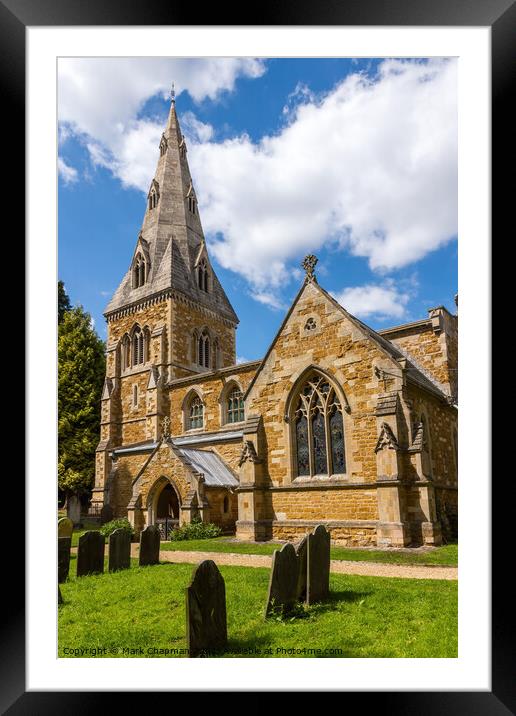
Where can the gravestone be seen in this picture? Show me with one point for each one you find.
(64, 527)
(90, 555)
(206, 624)
(106, 514)
(149, 545)
(73, 509)
(283, 582)
(302, 555)
(63, 558)
(119, 550)
(318, 565)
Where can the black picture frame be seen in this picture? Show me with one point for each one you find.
(500, 16)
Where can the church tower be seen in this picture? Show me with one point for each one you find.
(169, 318)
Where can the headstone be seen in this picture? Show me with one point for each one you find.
(302, 555)
(283, 582)
(149, 545)
(63, 558)
(119, 550)
(206, 624)
(106, 514)
(64, 527)
(90, 555)
(318, 565)
(73, 509)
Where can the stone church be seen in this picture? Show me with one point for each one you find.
(337, 424)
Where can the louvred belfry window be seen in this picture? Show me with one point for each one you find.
(204, 350)
(139, 271)
(202, 275)
(318, 429)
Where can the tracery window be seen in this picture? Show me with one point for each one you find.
(196, 413)
(319, 429)
(202, 275)
(235, 406)
(138, 271)
(204, 350)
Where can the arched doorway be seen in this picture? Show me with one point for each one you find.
(166, 510)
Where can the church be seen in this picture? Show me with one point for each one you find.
(337, 424)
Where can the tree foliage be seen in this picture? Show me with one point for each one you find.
(81, 364)
(63, 301)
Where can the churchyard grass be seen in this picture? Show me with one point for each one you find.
(447, 555)
(81, 530)
(143, 609)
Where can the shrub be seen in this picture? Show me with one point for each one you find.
(195, 530)
(121, 523)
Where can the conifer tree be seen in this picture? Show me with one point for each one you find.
(81, 365)
(63, 301)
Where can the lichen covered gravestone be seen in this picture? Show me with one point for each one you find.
(64, 527)
(90, 555)
(318, 565)
(119, 550)
(283, 582)
(63, 558)
(149, 546)
(206, 624)
(73, 509)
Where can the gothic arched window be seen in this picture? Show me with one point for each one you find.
(126, 352)
(138, 346)
(138, 271)
(235, 406)
(195, 413)
(318, 429)
(202, 275)
(204, 350)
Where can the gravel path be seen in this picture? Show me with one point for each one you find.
(368, 569)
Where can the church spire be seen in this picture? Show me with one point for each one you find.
(171, 241)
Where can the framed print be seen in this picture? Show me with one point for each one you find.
(295, 488)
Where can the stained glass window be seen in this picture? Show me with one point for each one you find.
(319, 429)
(337, 442)
(303, 454)
(319, 444)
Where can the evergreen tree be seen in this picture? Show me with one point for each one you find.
(81, 364)
(63, 301)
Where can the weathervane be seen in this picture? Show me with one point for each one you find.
(173, 93)
(309, 263)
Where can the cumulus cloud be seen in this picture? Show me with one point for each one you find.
(100, 100)
(374, 301)
(369, 167)
(67, 173)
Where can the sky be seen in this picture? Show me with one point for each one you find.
(353, 160)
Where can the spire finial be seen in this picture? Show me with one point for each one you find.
(173, 93)
(309, 263)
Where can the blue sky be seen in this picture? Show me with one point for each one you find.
(353, 160)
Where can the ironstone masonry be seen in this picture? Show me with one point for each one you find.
(337, 425)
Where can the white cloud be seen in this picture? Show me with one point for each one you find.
(374, 300)
(99, 99)
(67, 173)
(370, 167)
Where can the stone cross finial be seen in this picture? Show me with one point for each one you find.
(309, 263)
(165, 427)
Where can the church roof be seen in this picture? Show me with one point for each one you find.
(171, 239)
(212, 466)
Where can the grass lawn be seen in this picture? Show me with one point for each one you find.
(81, 530)
(446, 555)
(144, 608)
